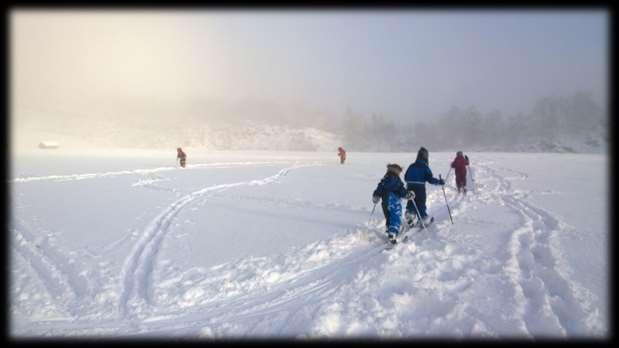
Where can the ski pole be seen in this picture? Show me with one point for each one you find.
(372, 213)
(447, 204)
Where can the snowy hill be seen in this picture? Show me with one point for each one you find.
(284, 245)
(231, 136)
(253, 136)
(357, 134)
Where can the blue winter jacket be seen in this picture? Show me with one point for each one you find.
(417, 175)
(390, 183)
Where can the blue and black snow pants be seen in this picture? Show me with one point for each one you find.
(392, 209)
(420, 201)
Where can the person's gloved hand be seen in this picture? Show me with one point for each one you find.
(375, 199)
(441, 182)
(410, 195)
(466, 157)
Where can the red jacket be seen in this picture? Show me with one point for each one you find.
(341, 152)
(459, 164)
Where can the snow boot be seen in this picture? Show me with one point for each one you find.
(410, 219)
(391, 237)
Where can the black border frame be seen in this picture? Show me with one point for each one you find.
(315, 5)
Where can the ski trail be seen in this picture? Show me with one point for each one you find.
(76, 177)
(547, 300)
(521, 175)
(252, 290)
(57, 276)
(150, 182)
(138, 267)
(315, 286)
(305, 276)
(263, 295)
(531, 305)
(287, 286)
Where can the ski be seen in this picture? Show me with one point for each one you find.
(401, 237)
(404, 236)
(405, 232)
(417, 227)
(425, 224)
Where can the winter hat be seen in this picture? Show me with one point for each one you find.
(394, 168)
(422, 154)
(459, 153)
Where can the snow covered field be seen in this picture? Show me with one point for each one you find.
(281, 244)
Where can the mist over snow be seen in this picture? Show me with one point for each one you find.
(570, 124)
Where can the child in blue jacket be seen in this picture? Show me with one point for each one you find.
(391, 189)
(416, 177)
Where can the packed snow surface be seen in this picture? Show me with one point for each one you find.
(283, 244)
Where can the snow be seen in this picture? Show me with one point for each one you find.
(282, 244)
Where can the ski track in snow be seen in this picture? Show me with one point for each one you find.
(335, 264)
(278, 287)
(138, 267)
(150, 181)
(75, 177)
(279, 291)
(56, 273)
(548, 302)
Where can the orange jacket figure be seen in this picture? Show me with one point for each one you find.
(181, 155)
(342, 154)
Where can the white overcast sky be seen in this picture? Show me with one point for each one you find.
(406, 64)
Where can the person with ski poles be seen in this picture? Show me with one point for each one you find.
(417, 174)
(459, 165)
(341, 154)
(180, 155)
(391, 189)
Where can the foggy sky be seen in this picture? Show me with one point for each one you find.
(405, 64)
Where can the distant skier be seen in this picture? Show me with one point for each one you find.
(416, 177)
(391, 189)
(180, 155)
(459, 165)
(342, 154)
